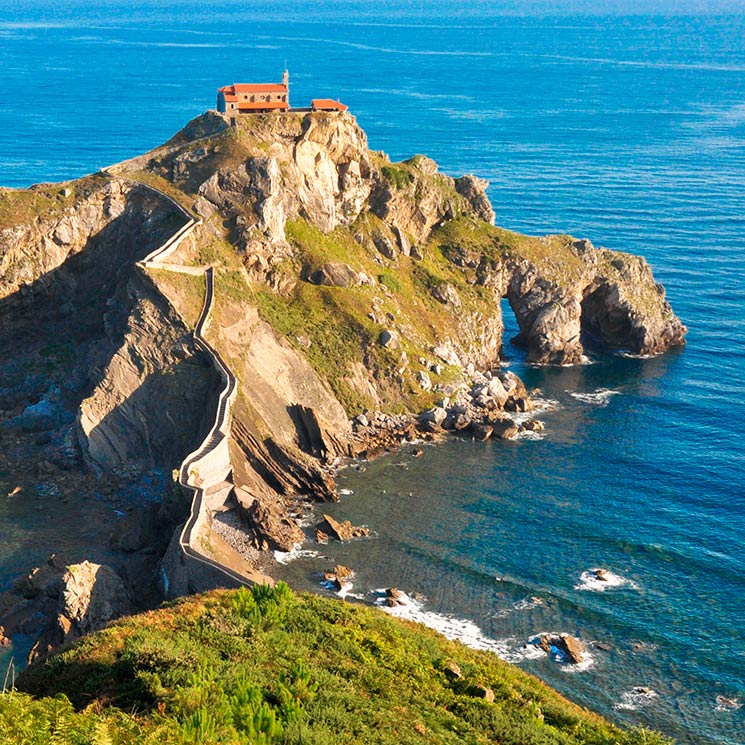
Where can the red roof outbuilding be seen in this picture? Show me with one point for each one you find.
(327, 104)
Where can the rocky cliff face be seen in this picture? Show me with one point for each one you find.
(318, 167)
(377, 285)
(88, 338)
(612, 299)
(156, 391)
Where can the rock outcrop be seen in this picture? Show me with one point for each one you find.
(564, 646)
(91, 595)
(563, 291)
(603, 294)
(343, 530)
(272, 528)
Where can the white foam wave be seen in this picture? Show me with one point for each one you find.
(631, 356)
(544, 404)
(600, 580)
(540, 405)
(346, 492)
(524, 604)
(457, 629)
(636, 698)
(558, 655)
(305, 519)
(578, 667)
(600, 397)
(344, 591)
(527, 603)
(509, 649)
(725, 703)
(532, 652)
(583, 360)
(285, 557)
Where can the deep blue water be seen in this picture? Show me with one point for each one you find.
(626, 130)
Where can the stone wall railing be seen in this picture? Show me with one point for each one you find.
(208, 465)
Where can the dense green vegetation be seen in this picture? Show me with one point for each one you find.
(267, 666)
(399, 176)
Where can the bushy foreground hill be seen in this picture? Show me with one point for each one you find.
(268, 666)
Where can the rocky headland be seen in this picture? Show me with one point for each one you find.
(355, 303)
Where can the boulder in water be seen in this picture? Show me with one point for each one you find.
(344, 531)
(574, 648)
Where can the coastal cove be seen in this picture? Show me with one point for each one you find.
(636, 143)
(497, 542)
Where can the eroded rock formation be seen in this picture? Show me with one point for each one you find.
(609, 295)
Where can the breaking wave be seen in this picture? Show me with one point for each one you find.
(636, 698)
(285, 557)
(600, 397)
(600, 580)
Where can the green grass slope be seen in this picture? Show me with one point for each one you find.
(268, 666)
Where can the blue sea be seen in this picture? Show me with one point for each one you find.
(628, 130)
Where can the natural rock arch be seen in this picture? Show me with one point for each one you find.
(604, 319)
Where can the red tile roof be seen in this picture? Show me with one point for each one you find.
(261, 105)
(258, 88)
(328, 103)
(231, 98)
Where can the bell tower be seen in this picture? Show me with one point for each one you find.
(286, 83)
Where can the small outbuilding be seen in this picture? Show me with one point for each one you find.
(327, 104)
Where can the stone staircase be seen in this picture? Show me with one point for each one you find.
(207, 471)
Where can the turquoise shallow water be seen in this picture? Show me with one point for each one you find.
(630, 131)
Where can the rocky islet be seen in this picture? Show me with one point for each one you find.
(295, 213)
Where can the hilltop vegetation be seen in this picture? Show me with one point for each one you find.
(268, 666)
